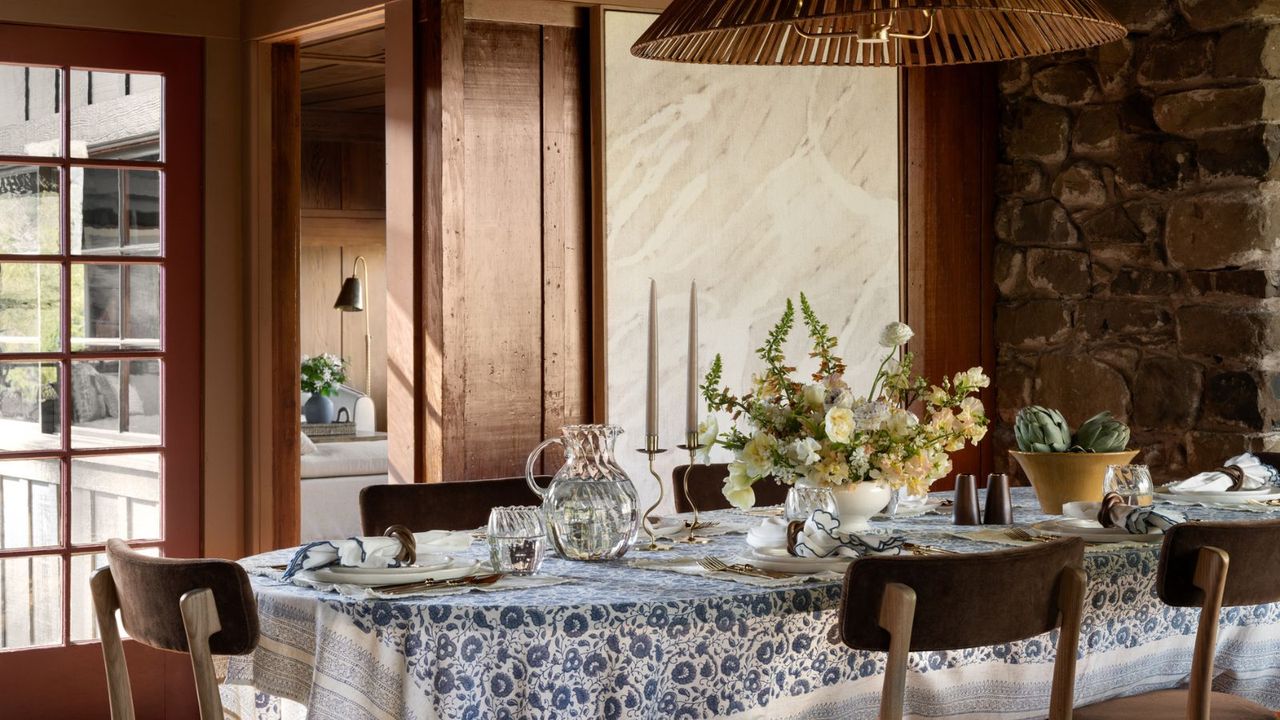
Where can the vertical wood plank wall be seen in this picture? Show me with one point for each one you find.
(525, 334)
(343, 216)
(499, 311)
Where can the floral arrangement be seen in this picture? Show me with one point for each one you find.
(322, 374)
(822, 433)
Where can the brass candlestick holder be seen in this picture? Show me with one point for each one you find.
(692, 446)
(652, 450)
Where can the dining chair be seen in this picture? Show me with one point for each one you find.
(461, 505)
(904, 604)
(706, 485)
(1193, 573)
(198, 607)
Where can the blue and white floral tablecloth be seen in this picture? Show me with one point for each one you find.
(621, 642)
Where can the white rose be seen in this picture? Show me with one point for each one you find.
(815, 395)
(757, 456)
(805, 451)
(839, 424)
(896, 334)
(737, 487)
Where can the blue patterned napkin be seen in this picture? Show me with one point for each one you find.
(1113, 512)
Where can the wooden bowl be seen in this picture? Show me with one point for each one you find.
(1066, 477)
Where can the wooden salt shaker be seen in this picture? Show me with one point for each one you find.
(966, 505)
(999, 504)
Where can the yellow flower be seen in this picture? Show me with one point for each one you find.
(900, 423)
(708, 432)
(831, 470)
(737, 487)
(757, 456)
(937, 396)
(839, 424)
(943, 421)
(971, 411)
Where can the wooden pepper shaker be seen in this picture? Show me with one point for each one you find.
(966, 506)
(999, 503)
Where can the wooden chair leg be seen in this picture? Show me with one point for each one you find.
(1211, 578)
(1071, 591)
(897, 613)
(105, 605)
(200, 618)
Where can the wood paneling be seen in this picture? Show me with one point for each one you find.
(406, 402)
(319, 125)
(320, 271)
(566, 222)
(503, 248)
(286, 184)
(342, 217)
(949, 124)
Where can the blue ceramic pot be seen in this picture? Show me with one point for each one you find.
(318, 409)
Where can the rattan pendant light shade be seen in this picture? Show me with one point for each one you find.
(909, 33)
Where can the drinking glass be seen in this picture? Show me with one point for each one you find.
(517, 539)
(803, 501)
(1132, 482)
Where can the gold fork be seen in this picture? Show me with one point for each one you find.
(1023, 535)
(434, 584)
(915, 549)
(715, 564)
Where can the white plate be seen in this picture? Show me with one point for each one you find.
(1238, 497)
(666, 526)
(457, 569)
(911, 511)
(1091, 531)
(425, 563)
(780, 560)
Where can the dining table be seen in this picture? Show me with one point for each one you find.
(631, 638)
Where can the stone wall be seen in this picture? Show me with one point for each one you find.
(1137, 223)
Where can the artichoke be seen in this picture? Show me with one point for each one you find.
(1041, 430)
(1102, 433)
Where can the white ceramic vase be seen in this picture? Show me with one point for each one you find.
(858, 502)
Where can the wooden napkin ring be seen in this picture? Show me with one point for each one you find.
(1236, 473)
(793, 534)
(1104, 511)
(408, 545)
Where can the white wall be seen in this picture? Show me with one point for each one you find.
(759, 183)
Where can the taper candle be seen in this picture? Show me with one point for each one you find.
(691, 410)
(651, 404)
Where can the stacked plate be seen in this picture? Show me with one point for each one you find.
(1234, 497)
(1091, 530)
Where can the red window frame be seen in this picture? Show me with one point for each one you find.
(181, 61)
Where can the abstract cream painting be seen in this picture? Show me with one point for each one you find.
(758, 183)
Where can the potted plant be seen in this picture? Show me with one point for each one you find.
(820, 433)
(1065, 467)
(321, 376)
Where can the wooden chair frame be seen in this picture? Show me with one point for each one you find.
(1211, 578)
(199, 619)
(897, 615)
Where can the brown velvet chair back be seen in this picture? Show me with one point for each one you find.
(962, 601)
(149, 590)
(462, 505)
(706, 485)
(1252, 547)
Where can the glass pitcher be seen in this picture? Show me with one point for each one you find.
(591, 508)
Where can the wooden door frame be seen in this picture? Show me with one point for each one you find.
(160, 678)
(273, 166)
